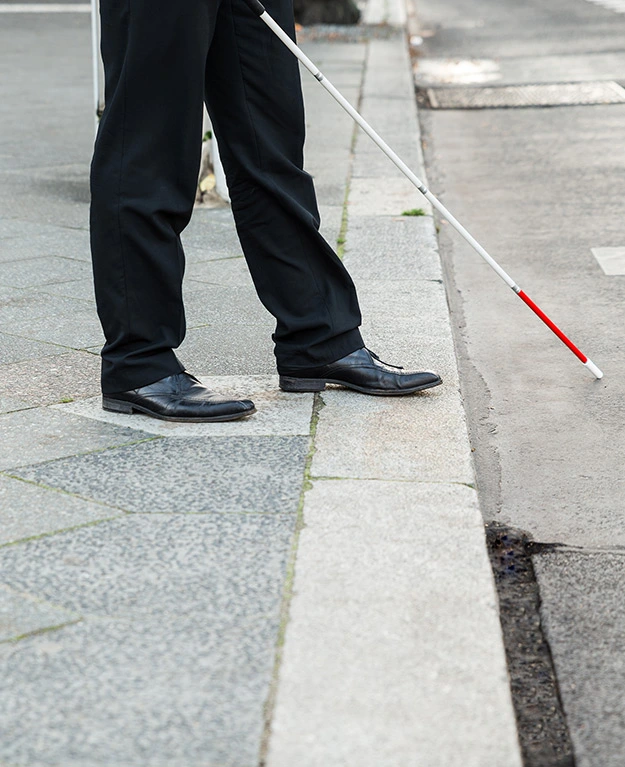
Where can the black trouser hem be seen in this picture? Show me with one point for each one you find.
(139, 372)
(334, 349)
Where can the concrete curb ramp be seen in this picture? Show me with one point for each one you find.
(393, 654)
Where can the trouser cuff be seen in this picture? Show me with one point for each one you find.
(138, 371)
(291, 362)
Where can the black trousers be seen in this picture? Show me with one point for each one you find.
(163, 59)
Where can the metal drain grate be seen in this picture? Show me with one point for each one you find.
(511, 96)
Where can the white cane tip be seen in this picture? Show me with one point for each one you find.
(593, 369)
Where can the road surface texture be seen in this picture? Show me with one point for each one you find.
(543, 189)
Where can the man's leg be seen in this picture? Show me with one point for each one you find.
(143, 180)
(253, 93)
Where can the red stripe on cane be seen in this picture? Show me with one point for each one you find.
(539, 312)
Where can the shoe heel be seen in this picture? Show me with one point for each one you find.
(301, 384)
(116, 406)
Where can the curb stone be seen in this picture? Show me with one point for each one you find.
(393, 654)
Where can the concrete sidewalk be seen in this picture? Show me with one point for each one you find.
(309, 587)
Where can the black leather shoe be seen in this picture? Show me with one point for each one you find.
(363, 371)
(179, 397)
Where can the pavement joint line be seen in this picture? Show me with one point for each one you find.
(76, 455)
(51, 533)
(289, 581)
(35, 598)
(342, 236)
(321, 478)
(45, 8)
(544, 549)
(39, 632)
(48, 343)
(223, 258)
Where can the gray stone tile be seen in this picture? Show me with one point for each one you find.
(392, 248)
(75, 329)
(29, 305)
(212, 233)
(388, 71)
(582, 613)
(207, 304)
(407, 323)
(43, 381)
(210, 474)
(81, 289)
(21, 614)
(230, 349)
(395, 120)
(15, 349)
(172, 664)
(9, 294)
(279, 414)
(393, 648)
(9, 404)
(27, 510)
(371, 162)
(56, 241)
(329, 188)
(421, 438)
(40, 434)
(33, 272)
(15, 227)
(386, 196)
(230, 271)
(331, 222)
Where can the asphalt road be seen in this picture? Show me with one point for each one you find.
(540, 188)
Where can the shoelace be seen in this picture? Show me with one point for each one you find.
(375, 356)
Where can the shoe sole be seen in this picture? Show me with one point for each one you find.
(292, 385)
(128, 408)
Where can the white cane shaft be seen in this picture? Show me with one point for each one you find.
(379, 141)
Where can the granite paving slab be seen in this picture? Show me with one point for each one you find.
(331, 221)
(230, 349)
(278, 413)
(371, 162)
(59, 241)
(379, 196)
(397, 247)
(211, 234)
(582, 614)
(27, 510)
(406, 324)
(230, 271)
(76, 327)
(21, 614)
(393, 652)
(186, 475)
(171, 664)
(8, 294)
(9, 404)
(16, 349)
(418, 438)
(40, 202)
(82, 289)
(207, 304)
(21, 309)
(40, 434)
(34, 272)
(15, 227)
(43, 381)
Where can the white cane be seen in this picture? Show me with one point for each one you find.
(258, 8)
